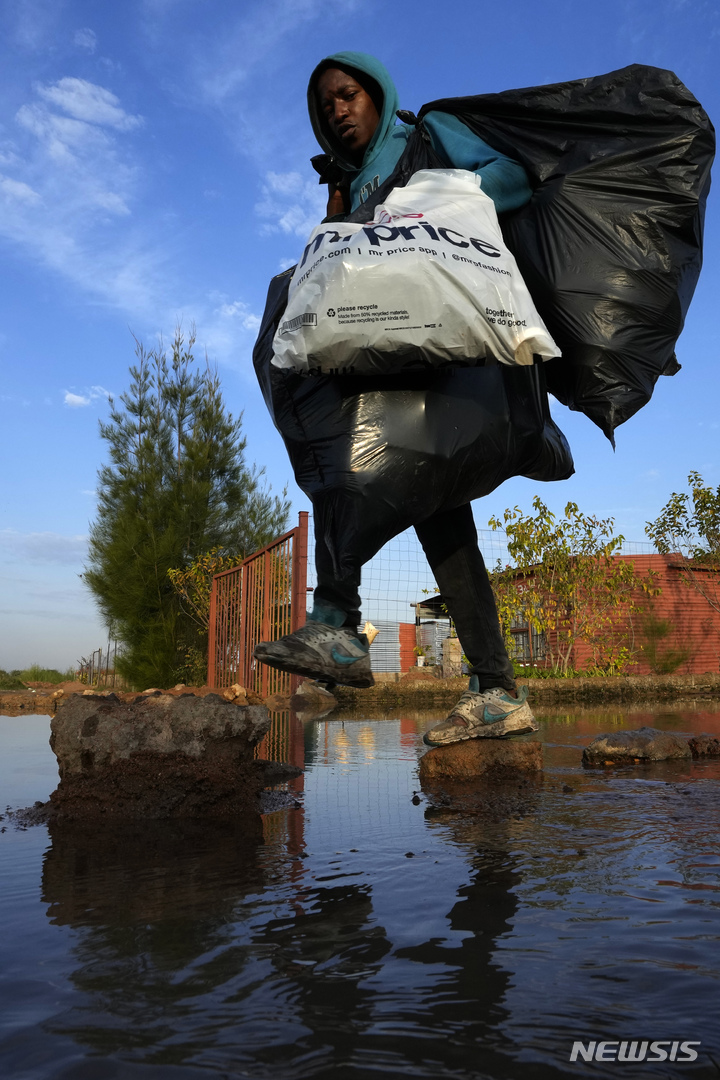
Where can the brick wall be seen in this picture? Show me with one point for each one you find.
(695, 625)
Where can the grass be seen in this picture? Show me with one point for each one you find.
(16, 680)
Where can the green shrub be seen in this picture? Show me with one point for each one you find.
(526, 671)
(10, 682)
(192, 667)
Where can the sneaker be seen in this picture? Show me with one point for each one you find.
(494, 714)
(318, 651)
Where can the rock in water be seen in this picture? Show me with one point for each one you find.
(311, 700)
(704, 746)
(627, 747)
(491, 758)
(156, 757)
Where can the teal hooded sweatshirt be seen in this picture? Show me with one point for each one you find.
(503, 179)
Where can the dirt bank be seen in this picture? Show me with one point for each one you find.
(431, 692)
(47, 698)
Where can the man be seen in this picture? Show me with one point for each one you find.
(353, 103)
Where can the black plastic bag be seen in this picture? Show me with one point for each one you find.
(377, 454)
(610, 247)
(610, 244)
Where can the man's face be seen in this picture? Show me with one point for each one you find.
(349, 111)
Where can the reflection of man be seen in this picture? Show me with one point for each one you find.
(352, 103)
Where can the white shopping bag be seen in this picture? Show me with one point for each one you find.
(428, 282)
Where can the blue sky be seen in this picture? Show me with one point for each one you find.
(154, 168)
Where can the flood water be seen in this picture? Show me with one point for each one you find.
(379, 931)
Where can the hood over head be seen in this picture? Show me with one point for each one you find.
(364, 68)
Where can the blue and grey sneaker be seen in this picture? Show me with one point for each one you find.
(493, 714)
(328, 653)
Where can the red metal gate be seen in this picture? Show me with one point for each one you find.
(260, 600)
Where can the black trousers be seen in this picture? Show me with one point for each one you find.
(449, 540)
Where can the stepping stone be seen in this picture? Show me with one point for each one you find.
(153, 756)
(627, 747)
(491, 758)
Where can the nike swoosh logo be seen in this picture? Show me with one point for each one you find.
(339, 658)
(490, 717)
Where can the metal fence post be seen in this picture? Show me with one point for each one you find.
(298, 602)
(265, 633)
(212, 635)
(298, 611)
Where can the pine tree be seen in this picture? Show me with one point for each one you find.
(176, 485)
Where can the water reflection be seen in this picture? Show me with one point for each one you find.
(193, 947)
(465, 1012)
(153, 911)
(361, 1004)
(149, 873)
(474, 932)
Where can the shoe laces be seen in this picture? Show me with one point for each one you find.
(494, 693)
(316, 633)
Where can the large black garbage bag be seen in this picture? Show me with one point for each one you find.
(377, 454)
(610, 244)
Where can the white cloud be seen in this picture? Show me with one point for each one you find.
(68, 179)
(75, 401)
(291, 204)
(79, 401)
(88, 102)
(227, 327)
(17, 190)
(72, 191)
(109, 200)
(75, 158)
(86, 39)
(43, 547)
(63, 138)
(238, 310)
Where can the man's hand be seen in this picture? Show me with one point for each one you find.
(337, 200)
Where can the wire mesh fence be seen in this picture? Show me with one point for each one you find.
(399, 577)
(267, 597)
